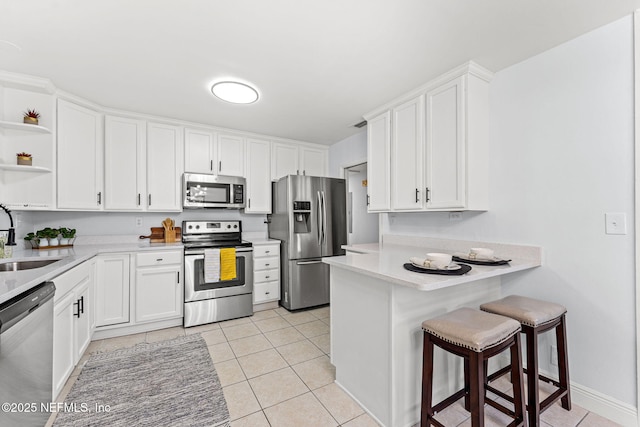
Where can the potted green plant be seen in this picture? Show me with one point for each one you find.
(31, 117)
(67, 234)
(24, 158)
(32, 239)
(52, 234)
(42, 236)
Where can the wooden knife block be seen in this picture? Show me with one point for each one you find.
(158, 235)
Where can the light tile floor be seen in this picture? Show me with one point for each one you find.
(275, 371)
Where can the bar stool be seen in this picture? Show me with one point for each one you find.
(475, 336)
(536, 317)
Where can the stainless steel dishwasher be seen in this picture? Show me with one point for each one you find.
(26, 353)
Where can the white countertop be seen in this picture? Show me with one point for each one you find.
(385, 261)
(13, 283)
(263, 241)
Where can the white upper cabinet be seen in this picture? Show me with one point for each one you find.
(313, 161)
(231, 155)
(199, 151)
(258, 195)
(164, 167)
(284, 160)
(124, 161)
(378, 164)
(289, 159)
(406, 164)
(219, 154)
(445, 158)
(439, 146)
(80, 157)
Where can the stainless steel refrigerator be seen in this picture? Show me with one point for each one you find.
(309, 217)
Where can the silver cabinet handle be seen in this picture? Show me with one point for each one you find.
(159, 259)
(211, 167)
(266, 277)
(267, 293)
(220, 166)
(267, 265)
(417, 197)
(427, 194)
(100, 197)
(149, 199)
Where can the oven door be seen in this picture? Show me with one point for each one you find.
(197, 289)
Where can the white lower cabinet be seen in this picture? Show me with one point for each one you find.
(266, 272)
(139, 292)
(112, 289)
(73, 321)
(158, 287)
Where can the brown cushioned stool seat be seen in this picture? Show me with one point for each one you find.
(536, 317)
(475, 336)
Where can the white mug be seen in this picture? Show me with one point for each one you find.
(437, 260)
(481, 253)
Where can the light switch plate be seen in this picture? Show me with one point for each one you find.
(616, 223)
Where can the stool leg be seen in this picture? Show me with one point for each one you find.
(427, 382)
(533, 406)
(467, 381)
(476, 366)
(563, 363)
(517, 381)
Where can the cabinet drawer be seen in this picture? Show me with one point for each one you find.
(266, 292)
(266, 263)
(266, 275)
(266, 250)
(145, 259)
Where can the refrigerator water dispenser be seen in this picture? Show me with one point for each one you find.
(301, 216)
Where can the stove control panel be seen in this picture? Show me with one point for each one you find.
(211, 227)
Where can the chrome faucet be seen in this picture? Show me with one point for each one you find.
(11, 239)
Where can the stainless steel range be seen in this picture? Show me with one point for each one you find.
(208, 300)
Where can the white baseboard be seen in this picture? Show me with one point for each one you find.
(359, 403)
(601, 404)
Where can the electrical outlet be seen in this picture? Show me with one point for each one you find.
(615, 223)
(138, 221)
(554, 355)
(455, 216)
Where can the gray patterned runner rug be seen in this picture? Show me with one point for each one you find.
(168, 383)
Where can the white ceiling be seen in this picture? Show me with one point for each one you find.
(318, 65)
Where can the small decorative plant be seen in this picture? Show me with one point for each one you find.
(66, 233)
(24, 158)
(30, 237)
(48, 236)
(31, 117)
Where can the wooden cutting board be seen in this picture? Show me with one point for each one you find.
(157, 235)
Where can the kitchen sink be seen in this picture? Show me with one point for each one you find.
(26, 265)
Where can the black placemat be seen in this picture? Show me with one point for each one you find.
(480, 262)
(459, 272)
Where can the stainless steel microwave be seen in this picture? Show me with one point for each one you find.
(213, 191)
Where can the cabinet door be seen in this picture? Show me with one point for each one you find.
(158, 294)
(82, 309)
(112, 289)
(230, 155)
(164, 167)
(79, 157)
(199, 151)
(124, 161)
(378, 163)
(63, 341)
(445, 156)
(284, 160)
(407, 158)
(258, 177)
(313, 162)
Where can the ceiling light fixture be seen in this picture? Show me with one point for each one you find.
(235, 92)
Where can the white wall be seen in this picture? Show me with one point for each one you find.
(348, 152)
(364, 225)
(561, 156)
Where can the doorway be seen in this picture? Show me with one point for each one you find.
(362, 227)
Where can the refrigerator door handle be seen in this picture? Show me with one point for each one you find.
(319, 217)
(324, 220)
(309, 262)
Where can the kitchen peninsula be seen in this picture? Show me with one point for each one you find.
(377, 308)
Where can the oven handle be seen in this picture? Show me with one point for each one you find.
(200, 251)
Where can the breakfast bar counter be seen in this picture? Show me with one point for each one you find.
(377, 308)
